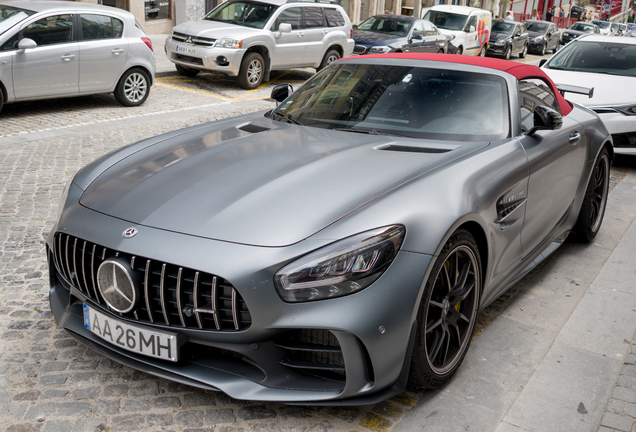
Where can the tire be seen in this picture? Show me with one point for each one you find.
(330, 57)
(1, 98)
(252, 71)
(447, 313)
(543, 49)
(187, 71)
(482, 52)
(133, 88)
(594, 202)
(460, 50)
(523, 53)
(508, 52)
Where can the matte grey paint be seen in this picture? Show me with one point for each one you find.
(432, 195)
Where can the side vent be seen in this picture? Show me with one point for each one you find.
(251, 128)
(413, 149)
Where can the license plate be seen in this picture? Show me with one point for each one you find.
(133, 338)
(186, 50)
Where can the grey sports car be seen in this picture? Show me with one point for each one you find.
(338, 246)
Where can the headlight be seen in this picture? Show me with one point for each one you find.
(629, 110)
(228, 42)
(501, 42)
(450, 37)
(380, 49)
(538, 39)
(344, 267)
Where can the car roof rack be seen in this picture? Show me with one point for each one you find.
(313, 1)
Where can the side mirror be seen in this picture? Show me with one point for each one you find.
(417, 37)
(471, 29)
(281, 92)
(285, 28)
(545, 119)
(26, 44)
(355, 26)
(542, 62)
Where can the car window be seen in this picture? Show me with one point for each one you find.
(410, 101)
(533, 93)
(608, 58)
(429, 29)
(471, 22)
(334, 17)
(56, 29)
(448, 21)
(502, 27)
(291, 16)
(536, 27)
(418, 28)
(313, 17)
(11, 43)
(10, 16)
(243, 13)
(386, 26)
(101, 27)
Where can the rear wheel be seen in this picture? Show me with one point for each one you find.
(448, 312)
(251, 73)
(1, 98)
(330, 57)
(187, 71)
(133, 88)
(594, 202)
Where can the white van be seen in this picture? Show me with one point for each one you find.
(468, 27)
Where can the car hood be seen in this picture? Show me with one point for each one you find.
(534, 34)
(273, 186)
(215, 29)
(608, 89)
(494, 37)
(575, 32)
(363, 37)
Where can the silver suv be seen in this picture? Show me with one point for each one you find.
(248, 39)
(61, 49)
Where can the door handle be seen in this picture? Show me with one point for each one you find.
(68, 57)
(575, 137)
(325, 32)
(117, 51)
(299, 34)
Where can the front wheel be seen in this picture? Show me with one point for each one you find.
(460, 50)
(133, 88)
(447, 313)
(330, 57)
(543, 49)
(482, 53)
(594, 202)
(523, 53)
(508, 52)
(251, 73)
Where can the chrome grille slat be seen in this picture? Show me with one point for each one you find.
(162, 295)
(195, 295)
(146, 292)
(168, 290)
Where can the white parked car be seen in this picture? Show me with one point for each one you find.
(468, 28)
(60, 49)
(247, 39)
(607, 63)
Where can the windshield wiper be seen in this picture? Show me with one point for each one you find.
(371, 132)
(288, 117)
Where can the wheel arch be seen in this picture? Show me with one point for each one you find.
(264, 52)
(5, 94)
(336, 47)
(143, 68)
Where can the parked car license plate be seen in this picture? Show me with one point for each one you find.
(130, 337)
(186, 50)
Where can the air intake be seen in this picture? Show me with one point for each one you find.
(251, 128)
(412, 149)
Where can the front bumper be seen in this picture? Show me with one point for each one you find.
(623, 130)
(206, 58)
(496, 50)
(259, 362)
(535, 46)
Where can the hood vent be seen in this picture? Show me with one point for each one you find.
(411, 149)
(252, 128)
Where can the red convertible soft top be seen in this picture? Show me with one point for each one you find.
(518, 70)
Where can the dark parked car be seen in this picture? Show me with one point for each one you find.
(390, 33)
(576, 11)
(577, 29)
(542, 36)
(338, 246)
(507, 38)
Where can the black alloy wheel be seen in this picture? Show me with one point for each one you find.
(594, 202)
(448, 312)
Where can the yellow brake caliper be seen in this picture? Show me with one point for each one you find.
(447, 265)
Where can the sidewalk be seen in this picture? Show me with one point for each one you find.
(561, 356)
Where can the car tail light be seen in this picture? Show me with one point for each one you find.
(147, 42)
(351, 34)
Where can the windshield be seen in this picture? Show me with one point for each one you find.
(446, 20)
(243, 13)
(582, 27)
(10, 16)
(597, 57)
(386, 25)
(536, 27)
(401, 100)
(502, 27)
(602, 24)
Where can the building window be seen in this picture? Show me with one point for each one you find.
(121, 4)
(157, 9)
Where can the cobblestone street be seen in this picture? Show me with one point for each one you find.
(49, 382)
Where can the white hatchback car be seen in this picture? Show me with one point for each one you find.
(607, 63)
(247, 39)
(55, 49)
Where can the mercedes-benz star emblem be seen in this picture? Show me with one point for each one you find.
(118, 284)
(130, 232)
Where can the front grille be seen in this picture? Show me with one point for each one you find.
(624, 140)
(314, 351)
(194, 40)
(169, 293)
(190, 59)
